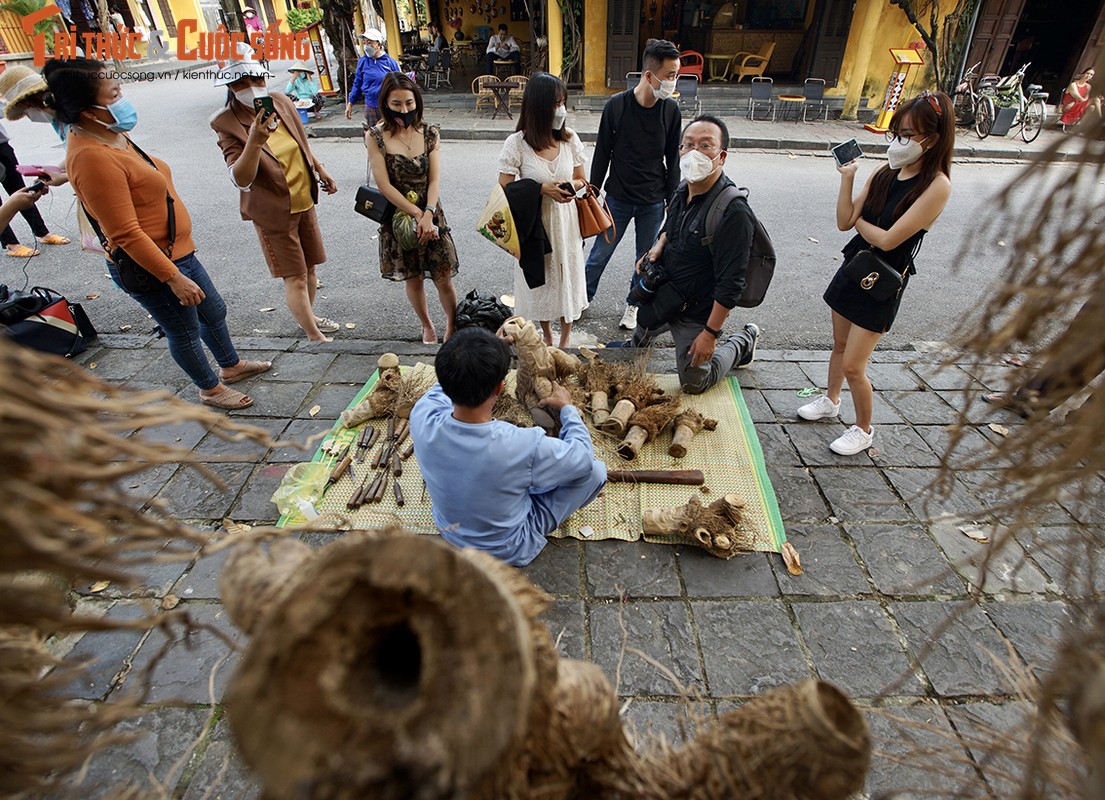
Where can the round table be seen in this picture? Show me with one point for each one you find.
(719, 66)
(791, 101)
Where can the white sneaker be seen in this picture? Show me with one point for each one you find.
(852, 441)
(821, 408)
(629, 318)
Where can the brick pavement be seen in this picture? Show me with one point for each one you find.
(884, 567)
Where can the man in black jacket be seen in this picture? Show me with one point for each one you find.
(708, 275)
(638, 141)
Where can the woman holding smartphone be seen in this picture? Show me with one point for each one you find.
(265, 147)
(405, 155)
(546, 150)
(892, 213)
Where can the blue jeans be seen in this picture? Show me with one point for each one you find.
(648, 217)
(186, 326)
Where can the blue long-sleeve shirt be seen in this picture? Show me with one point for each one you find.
(302, 87)
(370, 74)
(481, 476)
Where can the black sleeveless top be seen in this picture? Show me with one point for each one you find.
(901, 256)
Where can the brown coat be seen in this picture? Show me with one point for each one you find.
(268, 201)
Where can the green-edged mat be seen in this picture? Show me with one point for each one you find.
(730, 458)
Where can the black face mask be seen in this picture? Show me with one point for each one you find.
(404, 119)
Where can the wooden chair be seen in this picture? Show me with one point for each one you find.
(753, 64)
(514, 97)
(691, 62)
(484, 96)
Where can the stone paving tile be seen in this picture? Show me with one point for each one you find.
(190, 495)
(855, 647)
(859, 494)
(973, 446)
(995, 377)
(566, 621)
(152, 579)
(301, 366)
(801, 356)
(902, 446)
(118, 365)
(882, 413)
(1006, 567)
(350, 368)
(758, 408)
(784, 402)
(744, 575)
(947, 379)
(557, 568)
(214, 447)
(893, 377)
(903, 560)
(976, 411)
(648, 720)
(255, 503)
(921, 408)
(828, 563)
(749, 647)
(986, 728)
(776, 445)
(817, 372)
(812, 440)
(181, 676)
(662, 630)
(774, 375)
(797, 494)
(103, 652)
(1071, 558)
(144, 485)
(1035, 628)
(202, 580)
(277, 399)
(998, 494)
(333, 398)
(185, 435)
(961, 661)
(221, 774)
(165, 736)
(1087, 506)
(630, 569)
(161, 371)
(917, 754)
(300, 431)
(913, 485)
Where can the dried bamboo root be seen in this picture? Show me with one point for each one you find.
(717, 528)
(600, 408)
(687, 424)
(619, 418)
(633, 442)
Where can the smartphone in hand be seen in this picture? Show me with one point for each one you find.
(37, 186)
(847, 152)
(32, 170)
(265, 103)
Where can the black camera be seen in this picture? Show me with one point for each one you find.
(643, 286)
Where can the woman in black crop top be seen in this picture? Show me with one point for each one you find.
(891, 215)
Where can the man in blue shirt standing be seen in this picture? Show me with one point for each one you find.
(371, 69)
(494, 486)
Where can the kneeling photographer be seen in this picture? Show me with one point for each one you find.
(689, 282)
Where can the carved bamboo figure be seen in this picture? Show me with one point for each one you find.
(381, 400)
(539, 365)
(716, 528)
(687, 424)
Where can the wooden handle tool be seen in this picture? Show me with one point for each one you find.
(676, 477)
(399, 499)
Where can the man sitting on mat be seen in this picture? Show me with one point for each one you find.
(494, 486)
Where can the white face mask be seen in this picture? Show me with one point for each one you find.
(559, 117)
(245, 96)
(696, 166)
(666, 90)
(39, 115)
(902, 155)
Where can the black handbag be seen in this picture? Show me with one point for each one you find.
(873, 275)
(44, 320)
(666, 304)
(133, 277)
(372, 204)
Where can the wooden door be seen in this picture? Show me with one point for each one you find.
(997, 22)
(832, 23)
(623, 22)
(1094, 50)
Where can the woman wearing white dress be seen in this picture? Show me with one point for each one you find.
(544, 150)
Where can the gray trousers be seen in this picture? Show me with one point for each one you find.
(696, 380)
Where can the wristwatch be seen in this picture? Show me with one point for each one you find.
(431, 209)
(711, 331)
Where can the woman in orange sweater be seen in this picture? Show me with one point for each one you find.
(132, 198)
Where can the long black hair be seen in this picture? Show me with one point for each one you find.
(75, 85)
(930, 113)
(543, 93)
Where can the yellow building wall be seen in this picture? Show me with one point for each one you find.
(594, 48)
(867, 66)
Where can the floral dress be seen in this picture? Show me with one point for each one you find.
(564, 294)
(437, 258)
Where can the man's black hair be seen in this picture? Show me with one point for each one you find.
(503, 27)
(657, 51)
(713, 121)
(470, 365)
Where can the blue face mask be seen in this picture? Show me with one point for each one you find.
(60, 128)
(123, 112)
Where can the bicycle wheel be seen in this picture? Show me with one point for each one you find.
(1033, 120)
(964, 116)
(984, 117)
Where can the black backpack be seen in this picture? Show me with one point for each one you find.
(761, 258)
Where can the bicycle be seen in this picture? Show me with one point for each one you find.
(1031, 111)
(972, 109)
